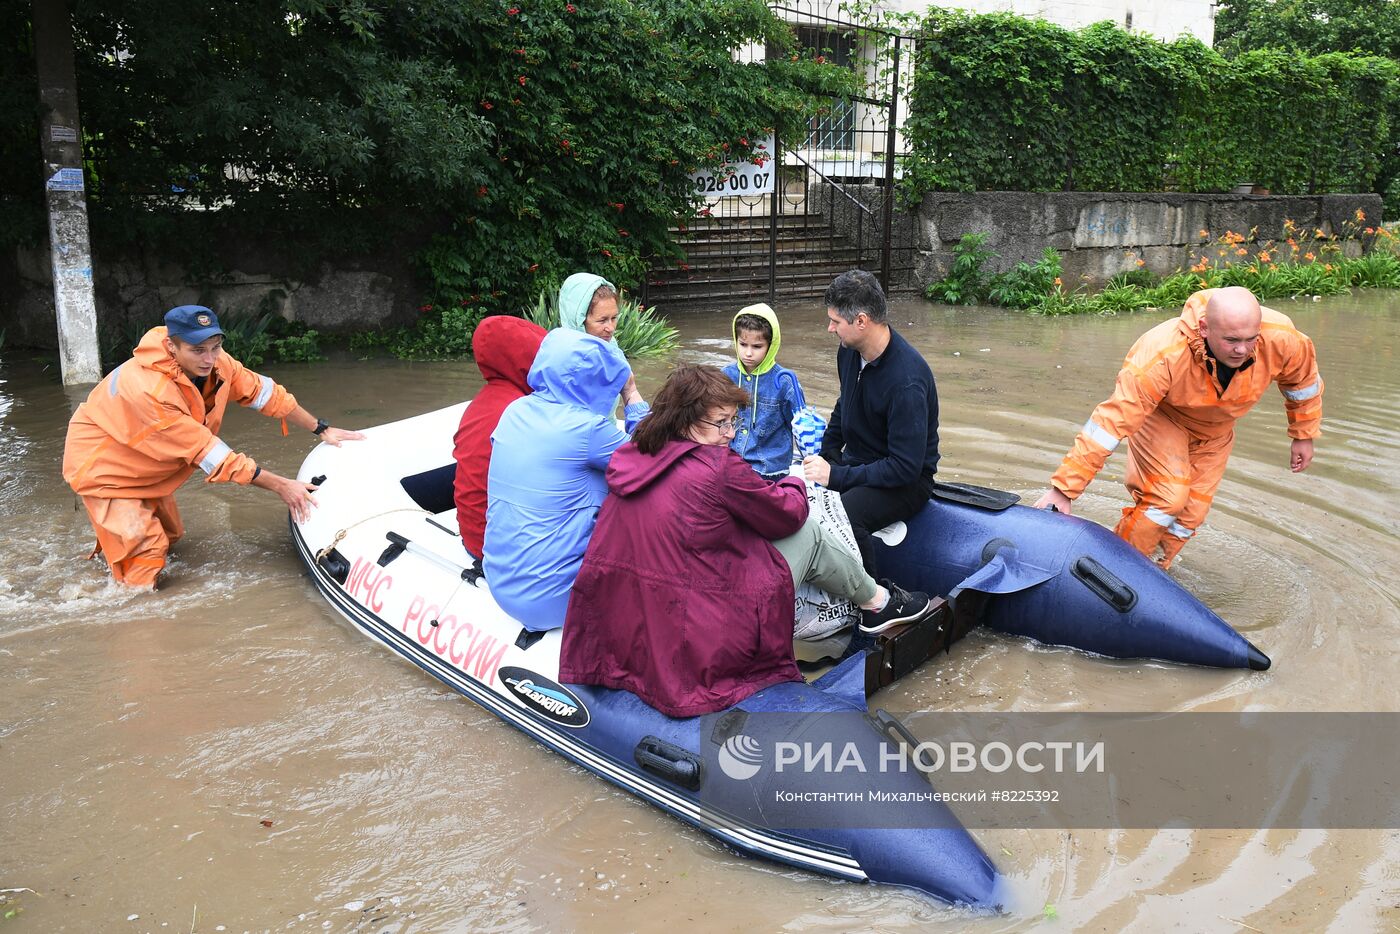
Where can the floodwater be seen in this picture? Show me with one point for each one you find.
(229, 754)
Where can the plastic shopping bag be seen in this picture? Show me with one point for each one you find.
(808, 427)
(817, 614)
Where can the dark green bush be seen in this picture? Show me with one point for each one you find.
(1005, 103)
(512, 142)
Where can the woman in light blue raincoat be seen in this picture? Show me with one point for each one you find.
(546, 481)
(588, 303)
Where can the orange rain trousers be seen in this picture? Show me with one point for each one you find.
(1180, 423)
(141, 433)
(1172, 478)
(134, 535)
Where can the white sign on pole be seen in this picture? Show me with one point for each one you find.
(739, 178)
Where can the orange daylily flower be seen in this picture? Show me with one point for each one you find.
(1360, 214)
(1309, 256)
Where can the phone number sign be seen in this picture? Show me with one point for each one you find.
(737, 178)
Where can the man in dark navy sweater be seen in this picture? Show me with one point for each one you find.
(880, 450)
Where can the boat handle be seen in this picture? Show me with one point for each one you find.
(889, 725)
(669, 761)
(398, 544)
(1106, 585)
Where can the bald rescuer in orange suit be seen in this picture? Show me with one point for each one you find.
(1182, 386)
(155, 418)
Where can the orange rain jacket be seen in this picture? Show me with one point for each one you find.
(1167, 371)
(145, 427)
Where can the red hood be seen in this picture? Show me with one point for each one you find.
(630, 471)
(505, 347)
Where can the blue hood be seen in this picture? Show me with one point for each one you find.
(573, 368)
(575, 295)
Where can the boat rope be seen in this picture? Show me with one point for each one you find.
(340, 535)
(448, 602)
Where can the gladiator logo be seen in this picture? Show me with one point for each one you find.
(740, 757)
(545, 697)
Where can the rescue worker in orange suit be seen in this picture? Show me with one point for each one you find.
(1182, 386)
(155, 418)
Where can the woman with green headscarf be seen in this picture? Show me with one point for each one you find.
(588, 303)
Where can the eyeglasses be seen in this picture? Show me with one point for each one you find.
(730, 425)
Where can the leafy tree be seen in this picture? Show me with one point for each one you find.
(1317, 27)
(1313, 26)
(514, 141)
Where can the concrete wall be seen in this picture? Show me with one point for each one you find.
(1100, 235)
(136, 290)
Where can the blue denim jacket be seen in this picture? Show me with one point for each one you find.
(764, 435)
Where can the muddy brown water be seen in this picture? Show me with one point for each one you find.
(147, 742)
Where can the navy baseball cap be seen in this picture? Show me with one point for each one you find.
(193, 324)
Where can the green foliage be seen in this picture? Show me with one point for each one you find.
(440, 334)
(965, 283)
(254, 339)
(21, 168)
(1312, 26)
(1315, 27)
(1025, 285)
(251, 339)
(1379, 269)
(446, 333)
(1005, 103)
(641, 332)
(1141, 277)
(1376, 270)
(511, 142)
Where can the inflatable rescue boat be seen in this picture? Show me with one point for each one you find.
(383, 549)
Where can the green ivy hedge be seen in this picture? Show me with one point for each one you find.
(1000, 102)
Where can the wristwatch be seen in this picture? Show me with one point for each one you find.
(321, 426)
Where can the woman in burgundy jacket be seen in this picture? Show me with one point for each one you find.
(685, 597)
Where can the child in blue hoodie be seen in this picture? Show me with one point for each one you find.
(764, 435)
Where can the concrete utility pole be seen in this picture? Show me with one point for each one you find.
(61, 142)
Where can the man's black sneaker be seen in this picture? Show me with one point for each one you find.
(903, 607)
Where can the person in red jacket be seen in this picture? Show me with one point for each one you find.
(155, 418)
(686, 592)
(1182, 387)
(504, 348)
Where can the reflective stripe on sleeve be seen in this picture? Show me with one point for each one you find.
(1100, 437)
(1160, 517)
(265, 395)
(215, 457)
(1304, 394)
(112, 381)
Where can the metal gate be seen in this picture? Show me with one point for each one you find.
(832, 207)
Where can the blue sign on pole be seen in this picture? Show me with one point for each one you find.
(66, 180)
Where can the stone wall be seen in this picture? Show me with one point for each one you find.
(1098, 235)
(865, 228)
(135, 290)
